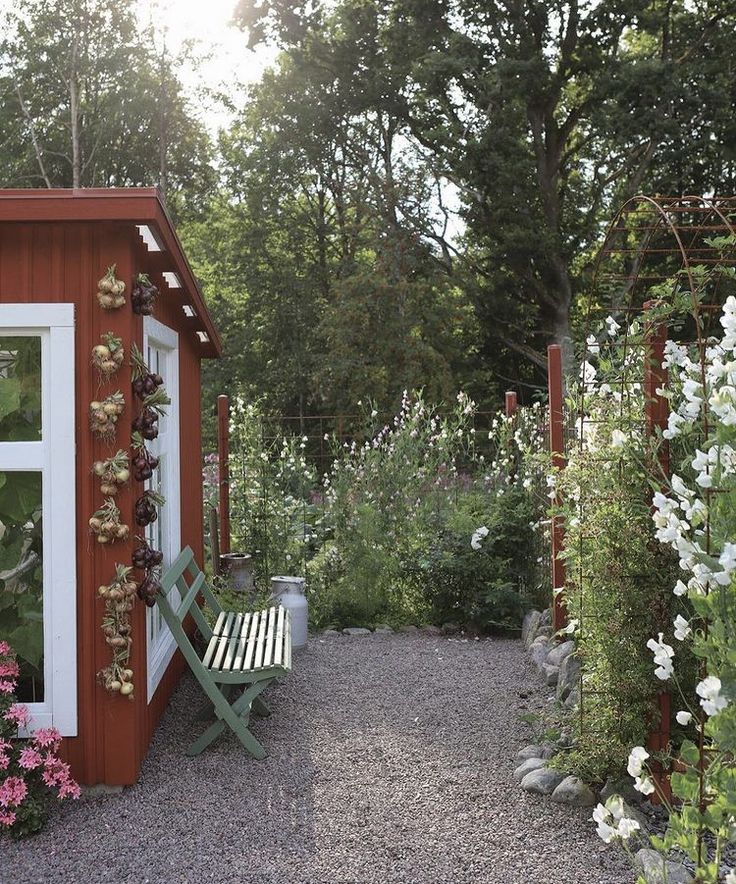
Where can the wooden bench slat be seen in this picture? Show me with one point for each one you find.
(270, 638)
(258, 662)
(224, 640)
(278, 656)
(219, 623)
(233, 643)
(287, 643)
(242, 642)
(250, 651)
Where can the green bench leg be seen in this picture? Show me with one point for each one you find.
(236, 716)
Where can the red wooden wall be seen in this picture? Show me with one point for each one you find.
(61, 262)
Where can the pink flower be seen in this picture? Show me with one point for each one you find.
(7, 687)
(9, 668)
(7, 819)
(30, 759)
(5, 649)
(19, 714)
(4, 757)
(69, 789)
(12, 791)
(47, 736)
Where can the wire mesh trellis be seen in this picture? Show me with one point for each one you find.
(674, 251)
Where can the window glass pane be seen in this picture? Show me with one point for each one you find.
(20, 388)
(21, 577)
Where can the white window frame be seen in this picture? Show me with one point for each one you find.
(155, 333)
(54, 457)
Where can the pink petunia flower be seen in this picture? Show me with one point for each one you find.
(30, 758)
(7, 819)
(69, 789)
(4, 648)
(7, 687)
(9, 668)
(12, 791)
(47, 736)
(19, 714)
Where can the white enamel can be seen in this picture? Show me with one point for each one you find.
(289, 592)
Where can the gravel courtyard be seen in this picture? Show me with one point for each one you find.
(390, 760)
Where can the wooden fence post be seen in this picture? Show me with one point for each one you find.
(656, 412)
(557, 450)
(512, 403)
(223, 466)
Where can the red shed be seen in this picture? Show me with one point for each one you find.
(55, 245)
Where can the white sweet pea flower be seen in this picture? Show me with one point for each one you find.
(663, 654)
(637, 757)
(592, 344)
(571, 627)
(588, 373)
(709, 690)
(727, 559)
(478, 535)
(682, 628)
(612, 327)
(683, 717)
(618, 438)
(644, 785)
(680, 588)
(627, 827)
(731, 877)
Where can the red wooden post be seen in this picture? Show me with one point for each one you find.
(557, 450)
(223, 466)
(511, 403)
(656, 411)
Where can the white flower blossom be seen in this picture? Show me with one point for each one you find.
(709, 690)
(683, 717)
(682, 628)
(478, 535)
(612, 327)
(663, 654)
(637, 757)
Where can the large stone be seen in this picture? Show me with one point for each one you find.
(573, 699)
(558, 653)
(546, 618)
(657, 870)
(538, 652)
(332, 632)
(551, 674)
(573, 791)
(356, 630)
(548, 750)
(569, 676)
(542, 781)
(383, 630)
(527, 767)
(450, 628)
(530, 626)
(409, 629)
(532, 751)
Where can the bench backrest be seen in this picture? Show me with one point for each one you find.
(176, 576)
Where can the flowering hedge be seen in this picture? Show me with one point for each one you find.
(31, 773)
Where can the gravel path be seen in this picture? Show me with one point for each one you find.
(390, 760)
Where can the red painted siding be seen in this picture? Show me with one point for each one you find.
(61, 262)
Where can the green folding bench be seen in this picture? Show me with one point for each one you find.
(244, 650)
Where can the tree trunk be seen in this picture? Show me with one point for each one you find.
(74, 110)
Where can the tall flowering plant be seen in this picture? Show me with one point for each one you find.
(31, 772)
(695, 516)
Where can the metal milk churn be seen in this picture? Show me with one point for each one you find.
(289, 592)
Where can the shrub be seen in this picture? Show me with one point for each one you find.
(32, 775)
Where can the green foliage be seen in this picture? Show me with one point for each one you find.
(386, 537)
(619, 577)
